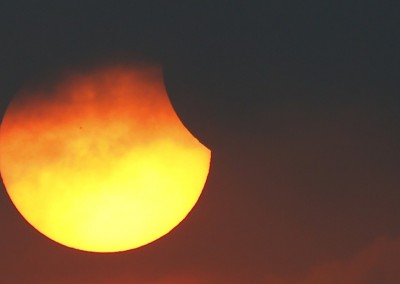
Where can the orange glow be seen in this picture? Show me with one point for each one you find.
(99, 161)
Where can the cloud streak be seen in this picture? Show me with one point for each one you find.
(379, 262)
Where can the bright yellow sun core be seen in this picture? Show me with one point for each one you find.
(99, 161)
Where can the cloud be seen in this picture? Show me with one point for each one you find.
(174, 278)
(185, 278)
(378, 263)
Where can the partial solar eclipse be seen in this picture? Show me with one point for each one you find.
(98, 160)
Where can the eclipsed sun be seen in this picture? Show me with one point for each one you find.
(99, 161)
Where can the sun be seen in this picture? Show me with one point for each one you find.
(98, 160)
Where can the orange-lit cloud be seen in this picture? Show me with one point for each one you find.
(377, 263)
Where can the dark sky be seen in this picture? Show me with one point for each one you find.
(299, 103)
